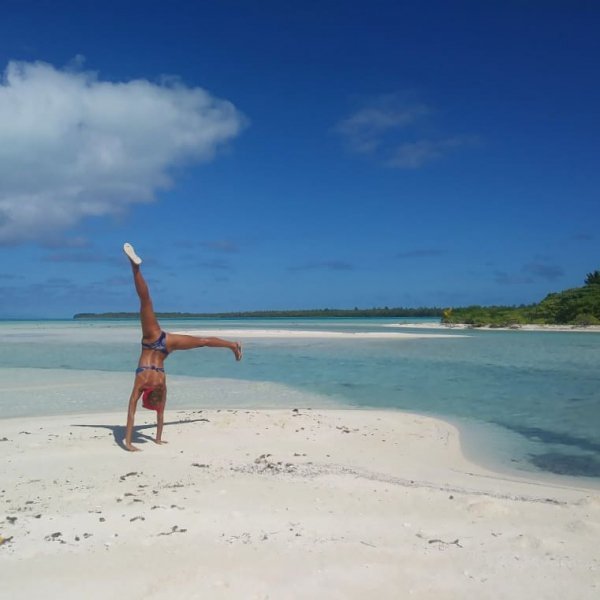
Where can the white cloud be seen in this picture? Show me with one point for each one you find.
(412, 155)
(73, 146)
(366, 129)
(389, 129)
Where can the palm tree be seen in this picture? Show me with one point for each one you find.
(592, 278)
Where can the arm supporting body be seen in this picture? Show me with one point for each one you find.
(160, 414)
(133, 399)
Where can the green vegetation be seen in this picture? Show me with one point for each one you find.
(321, 312)
(592, 278)
(576, 306)
(493, 316)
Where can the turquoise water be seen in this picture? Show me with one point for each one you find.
(531, 400)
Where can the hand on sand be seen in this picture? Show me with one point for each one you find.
(237, 350)
(132, 448)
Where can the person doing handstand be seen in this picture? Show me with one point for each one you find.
(150, 379)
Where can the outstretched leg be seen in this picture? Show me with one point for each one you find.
(150, 326)
(177, 341)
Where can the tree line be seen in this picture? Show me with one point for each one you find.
(576, 306)
(269, 314)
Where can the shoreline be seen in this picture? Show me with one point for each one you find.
(299, 500)
(82, 393)
(464, 326)
(292, 333)
(467, 434)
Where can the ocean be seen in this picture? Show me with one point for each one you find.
(524, 401)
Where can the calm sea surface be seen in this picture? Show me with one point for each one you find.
(524, 400)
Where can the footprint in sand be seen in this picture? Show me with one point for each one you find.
(488, 508)
(526, 542)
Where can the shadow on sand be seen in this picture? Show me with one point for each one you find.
(138, 436)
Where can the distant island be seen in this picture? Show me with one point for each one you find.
(269, 314)
(579, 307)
(576, 306)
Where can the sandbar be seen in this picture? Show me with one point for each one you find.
(293, 333)
(284, 504)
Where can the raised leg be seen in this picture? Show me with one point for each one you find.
(150, 326)
(177, 341)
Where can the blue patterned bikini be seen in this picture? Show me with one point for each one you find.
(148, 368)
(161, 345)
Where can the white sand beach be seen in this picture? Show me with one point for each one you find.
(281, 504)
(304, 334)
(461, 326)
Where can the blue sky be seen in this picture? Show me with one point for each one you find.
(281, 155)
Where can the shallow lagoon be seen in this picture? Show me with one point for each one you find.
(525, 400)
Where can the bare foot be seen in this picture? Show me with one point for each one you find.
(160, 442)
(132, 448)
(237, 350)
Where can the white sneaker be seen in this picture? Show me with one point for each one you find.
(131, 255)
